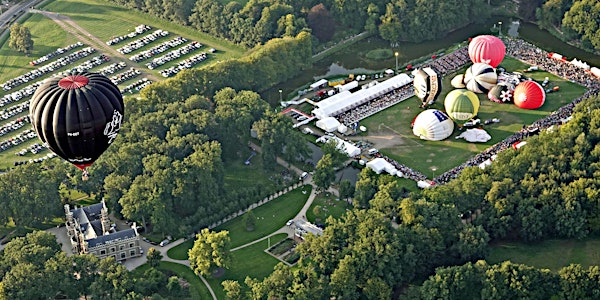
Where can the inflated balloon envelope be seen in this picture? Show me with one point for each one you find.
(78, 115)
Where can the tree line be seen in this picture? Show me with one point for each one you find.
(390, 240)
(258, 21)
(261, 20)
(575, 19)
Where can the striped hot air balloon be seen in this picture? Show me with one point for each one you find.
(480, 78)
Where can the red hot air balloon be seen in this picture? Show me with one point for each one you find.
(487, 49)
(529, 95)
(78, 116)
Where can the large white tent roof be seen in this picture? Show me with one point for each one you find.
(345, 101)
(379, 165)
(318, 83)
(328, 124)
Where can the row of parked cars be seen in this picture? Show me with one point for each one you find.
(137, 31)
(175, 54)
(49, 68)
(158, 49)
(184, 64)
(58, 51)
(147, 39)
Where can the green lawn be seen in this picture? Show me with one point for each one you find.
(250, 261)
(423, 155)
(328, 207)
(270, 217)
(550, 254)
(239, 176)
(47, 37)
(105, 20)
(197, 288)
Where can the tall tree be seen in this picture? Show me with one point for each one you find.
(321, 22)
(211, 250)
(154, 257)
(324, 172)
(20, 38)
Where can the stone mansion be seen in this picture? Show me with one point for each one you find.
(90, 232)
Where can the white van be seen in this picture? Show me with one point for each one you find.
(304, 175)
(164, 243)
(372, 151)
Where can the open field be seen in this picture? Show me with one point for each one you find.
(328, 206)
(392, 126)
(197, 288)
(549, 254)
(251, 261)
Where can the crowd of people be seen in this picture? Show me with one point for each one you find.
(138, 30)
(147, 39)
(450, 62)
(184, 64)
(162, 47)
(173, 55)
(51, 67)
(376, 105)
(534, 56)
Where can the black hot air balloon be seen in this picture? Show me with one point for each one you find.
(78, 116)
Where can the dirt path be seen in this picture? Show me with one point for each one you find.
(87, 38)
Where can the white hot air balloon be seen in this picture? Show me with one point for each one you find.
(433, 125)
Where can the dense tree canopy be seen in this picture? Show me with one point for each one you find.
(34, 267)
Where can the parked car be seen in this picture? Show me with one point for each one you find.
(164, 243)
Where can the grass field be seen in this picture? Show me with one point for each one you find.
(105, 20)
(250, 261)
(197, 288)
(424, 156)
(270, 217)
(549, 254)
(328, 207)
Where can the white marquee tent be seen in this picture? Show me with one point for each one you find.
(318, 84)
(379, 165)
(345, 100)
(330, 124)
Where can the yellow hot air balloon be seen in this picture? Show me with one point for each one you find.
(461, 105)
